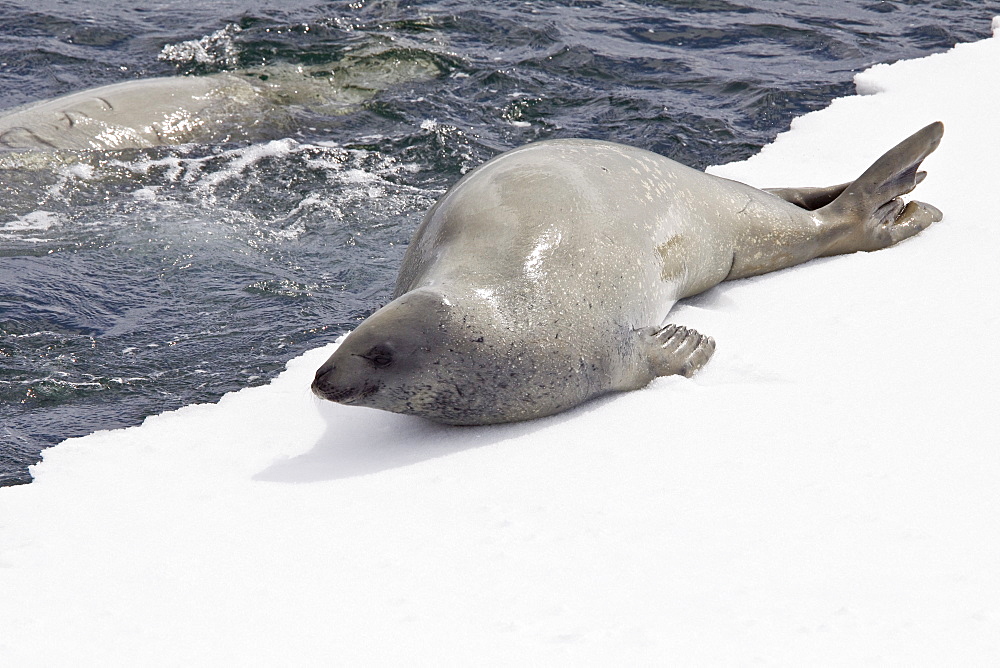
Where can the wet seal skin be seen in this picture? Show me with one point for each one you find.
(212, 108)
(543, 278)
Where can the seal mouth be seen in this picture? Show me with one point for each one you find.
(339, 396)
(324, 390)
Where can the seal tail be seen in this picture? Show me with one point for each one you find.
(869, 211)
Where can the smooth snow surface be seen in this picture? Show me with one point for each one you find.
(824, 492)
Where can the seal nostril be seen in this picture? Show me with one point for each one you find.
(319, 384)
(324, 382)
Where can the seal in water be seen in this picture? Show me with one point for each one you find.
(541, 279)
(221, 107)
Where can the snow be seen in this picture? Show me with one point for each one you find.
(823, 492)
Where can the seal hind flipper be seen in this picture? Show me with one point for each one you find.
(869, 214)
(676, 350)
(809, 199)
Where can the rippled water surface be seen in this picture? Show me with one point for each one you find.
(138, 281)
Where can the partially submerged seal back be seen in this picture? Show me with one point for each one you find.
(543, 278)
(213, 108)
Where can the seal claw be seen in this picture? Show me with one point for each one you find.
(915, 217)
(678, 350)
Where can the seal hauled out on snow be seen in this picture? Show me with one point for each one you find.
(542, 278)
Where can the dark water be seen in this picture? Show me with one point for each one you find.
(139, 281)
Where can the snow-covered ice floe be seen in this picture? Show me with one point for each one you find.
(824, 491)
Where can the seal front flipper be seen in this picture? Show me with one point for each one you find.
(675, 350)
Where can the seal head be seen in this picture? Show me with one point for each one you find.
(388, 354)
(456, 360)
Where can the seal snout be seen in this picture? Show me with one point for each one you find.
(328, 385)
(338, 380)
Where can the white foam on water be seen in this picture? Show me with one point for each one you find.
(243, 158)
(21, 227)
(823, 492)
(36, 220)
(216, 49)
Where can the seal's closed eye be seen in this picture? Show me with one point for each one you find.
(379, 356)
